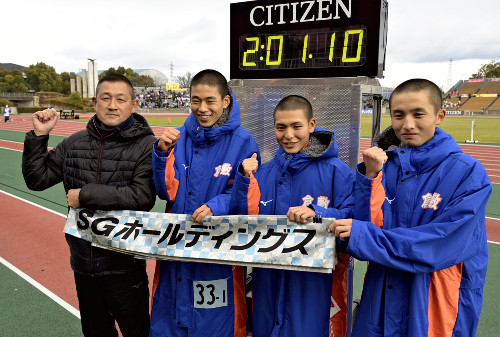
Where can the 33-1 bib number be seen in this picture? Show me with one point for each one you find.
(210, 294)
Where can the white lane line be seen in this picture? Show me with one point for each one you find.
(40, 287)
(30, 280)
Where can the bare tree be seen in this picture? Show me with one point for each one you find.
(185, 80)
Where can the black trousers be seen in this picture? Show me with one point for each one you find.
(120, 297)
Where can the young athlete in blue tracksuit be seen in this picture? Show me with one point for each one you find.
(425, 233)
(193, 169)
(305, 179)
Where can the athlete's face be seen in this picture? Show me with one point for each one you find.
(113, 103)
(207, 104)
(292, 129)
(414, 118)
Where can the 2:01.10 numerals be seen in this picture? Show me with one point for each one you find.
(339, 48)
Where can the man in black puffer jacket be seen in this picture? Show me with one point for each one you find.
(107, 166)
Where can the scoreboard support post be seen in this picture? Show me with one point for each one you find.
(331, 53)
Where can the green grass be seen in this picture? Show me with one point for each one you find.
(163, 121)
(485, 131)
(17, 136)
(26, 311)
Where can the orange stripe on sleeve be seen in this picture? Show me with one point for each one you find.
(171, 183)
(376, 201)
(253, 196)
(156, 280)
(240, 307)
(443, 300)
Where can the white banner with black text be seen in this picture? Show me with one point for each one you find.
(268, 241)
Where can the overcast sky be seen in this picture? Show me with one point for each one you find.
(194, 34)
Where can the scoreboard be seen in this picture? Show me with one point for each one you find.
(308, 39)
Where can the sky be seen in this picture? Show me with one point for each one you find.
(194, 34)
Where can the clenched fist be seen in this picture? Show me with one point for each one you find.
(374, 159)
(250, 165)
(168, 139)
(44, 121)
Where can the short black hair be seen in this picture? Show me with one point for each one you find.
(211, 78)
(420, 84)
(295, 102)
(116, 78)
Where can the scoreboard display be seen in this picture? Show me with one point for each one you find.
(308, 39)
(67, 114)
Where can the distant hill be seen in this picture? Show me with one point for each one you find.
(11, 66)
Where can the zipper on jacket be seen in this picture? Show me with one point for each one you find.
(99, 162)
(99, 166)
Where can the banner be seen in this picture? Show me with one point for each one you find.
(172, 86)
(264, 241)
(454, 112)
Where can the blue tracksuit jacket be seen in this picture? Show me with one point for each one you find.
(427, 250)
(291, 303)
(200, 170)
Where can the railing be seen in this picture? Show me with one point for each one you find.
(16, 94)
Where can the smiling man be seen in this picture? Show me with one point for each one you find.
(420, 220)
(194, 168)
(106, 166)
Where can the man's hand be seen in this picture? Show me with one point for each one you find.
(374, 159)
(250, 165)
(300, 213)
(168, 139)
(341, 229)
(44, 121)
(202, 212)
(73, 198)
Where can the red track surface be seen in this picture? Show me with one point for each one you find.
(63, 127)
(44, 255)
(489, 156)
(33, 241)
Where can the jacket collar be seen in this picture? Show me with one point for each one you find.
(135, 126)
(322, 145)
(421, 158)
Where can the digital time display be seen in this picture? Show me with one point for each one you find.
(307, 39)
(313, 49)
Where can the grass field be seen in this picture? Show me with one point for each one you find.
(459, 127)
(485, 131)
(176, 121)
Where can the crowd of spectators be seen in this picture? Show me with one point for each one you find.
(160, 99)
(451, 105)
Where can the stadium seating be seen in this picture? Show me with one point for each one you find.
(470, 87)
(477, 104)
(491, 87)
(495, 107)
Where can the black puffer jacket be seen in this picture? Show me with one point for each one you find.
(113, 172)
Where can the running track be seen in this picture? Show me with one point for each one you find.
(488, 155)
(58, 277)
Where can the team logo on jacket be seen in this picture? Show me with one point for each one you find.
(431, 200)
(323, 201)
(265, 202)
(307, 200)
(223, 170)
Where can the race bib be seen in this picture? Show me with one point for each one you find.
(210, 294)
